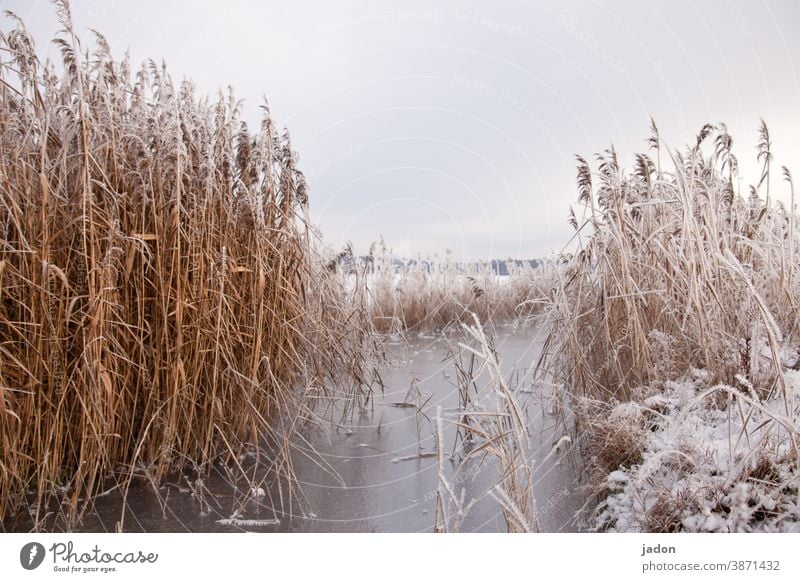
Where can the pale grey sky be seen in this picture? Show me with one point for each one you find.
(452, 124)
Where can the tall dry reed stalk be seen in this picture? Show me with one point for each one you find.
(160, 293)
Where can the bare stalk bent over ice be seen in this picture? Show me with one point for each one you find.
(492, 427)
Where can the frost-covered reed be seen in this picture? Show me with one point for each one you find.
(427, 294)
(677, 271)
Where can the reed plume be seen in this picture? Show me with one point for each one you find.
(161, 295)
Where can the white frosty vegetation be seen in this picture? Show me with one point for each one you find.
(675, 328)
(713, 460)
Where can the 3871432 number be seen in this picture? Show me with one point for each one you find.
(764, 565)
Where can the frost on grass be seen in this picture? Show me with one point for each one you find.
(710, 460)
(680, 302)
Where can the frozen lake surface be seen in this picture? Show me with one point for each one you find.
(377, 471)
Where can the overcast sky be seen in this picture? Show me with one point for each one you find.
(452, 124)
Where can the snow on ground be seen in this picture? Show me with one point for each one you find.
(714, 460)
